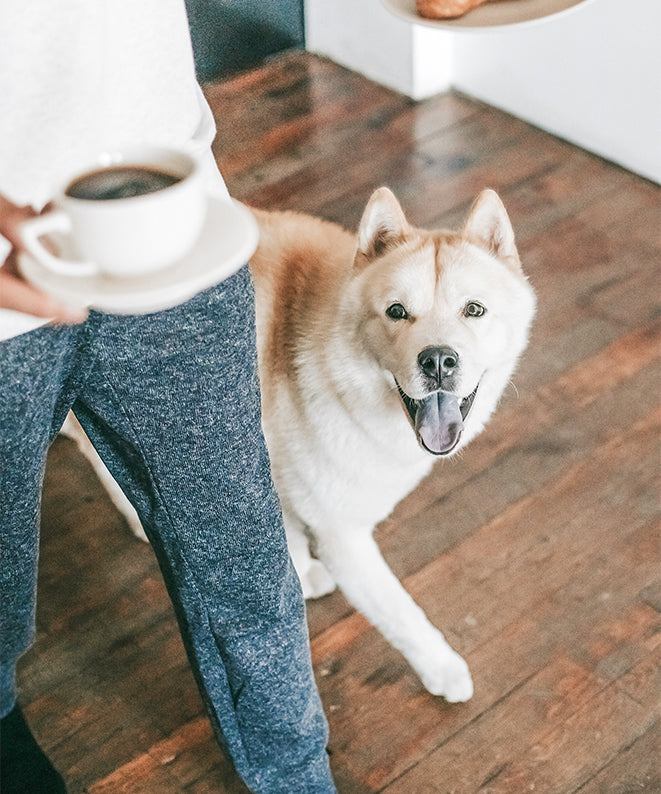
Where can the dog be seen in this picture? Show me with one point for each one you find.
(378, 354)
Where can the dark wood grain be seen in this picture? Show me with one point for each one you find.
(536, 552)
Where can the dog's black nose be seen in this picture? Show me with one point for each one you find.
(438, 362)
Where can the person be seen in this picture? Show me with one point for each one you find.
(170, 399)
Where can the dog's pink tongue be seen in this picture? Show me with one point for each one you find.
(438, 423)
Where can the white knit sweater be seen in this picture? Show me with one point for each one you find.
(79, 77)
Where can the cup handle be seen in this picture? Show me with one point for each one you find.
(55, 221)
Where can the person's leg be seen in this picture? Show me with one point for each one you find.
(172, 406)
(39, 374)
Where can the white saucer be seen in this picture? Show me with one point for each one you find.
(501, 14)
(228, 240)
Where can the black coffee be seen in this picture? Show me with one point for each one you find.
(121, 181)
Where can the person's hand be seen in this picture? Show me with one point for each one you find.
(15, 292)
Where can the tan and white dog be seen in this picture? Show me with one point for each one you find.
(376, 355)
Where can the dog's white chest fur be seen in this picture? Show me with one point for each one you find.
(370, 457)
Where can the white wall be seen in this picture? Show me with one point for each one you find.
(592, 76)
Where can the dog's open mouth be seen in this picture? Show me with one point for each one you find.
(438, 420)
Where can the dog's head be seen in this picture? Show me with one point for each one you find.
(445, 314)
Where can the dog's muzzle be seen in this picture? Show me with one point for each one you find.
(438, 419)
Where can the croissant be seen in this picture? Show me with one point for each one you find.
(445, 9)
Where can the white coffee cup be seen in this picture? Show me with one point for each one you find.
(120, 236)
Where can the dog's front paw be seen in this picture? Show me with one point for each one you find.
(448, 676)
(317, 581)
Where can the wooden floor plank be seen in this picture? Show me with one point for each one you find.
(173, 765)
(634, 769)
(536, 552)
(559, 745)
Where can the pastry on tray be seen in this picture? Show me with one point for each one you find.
(446, 9)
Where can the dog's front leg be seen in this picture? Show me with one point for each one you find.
(315, 580)
(354, 560)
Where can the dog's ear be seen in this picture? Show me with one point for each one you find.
(382, 226)
(489, 227)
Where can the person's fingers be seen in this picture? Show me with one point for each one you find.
(20, 296)
(15, 292)
(12, 217)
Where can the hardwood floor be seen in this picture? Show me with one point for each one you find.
(536, 552)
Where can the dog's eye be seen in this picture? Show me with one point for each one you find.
(397, 312)
(474, 309)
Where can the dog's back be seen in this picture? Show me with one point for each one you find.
(299, 266)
